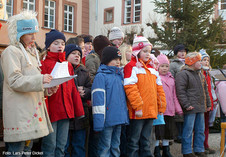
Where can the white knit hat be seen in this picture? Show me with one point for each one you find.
(116, 33)
(139, 43)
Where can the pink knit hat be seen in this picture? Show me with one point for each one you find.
(139, 43)
(162, 59)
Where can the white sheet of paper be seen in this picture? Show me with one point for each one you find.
(60, 70)
(60, 75)
(58, 81)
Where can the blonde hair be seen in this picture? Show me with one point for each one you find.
(12, 24)
(123, 49)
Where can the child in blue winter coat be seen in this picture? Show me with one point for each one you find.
(109, 103)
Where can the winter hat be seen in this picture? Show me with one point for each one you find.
(109, 53)
(178, 48)
(72, 47)
(139, 43)
(116, 33)
(192, 58)
(21, 24)
(203, 53)
(99, 43)
(52, 36)
(26, 27)
(88, 39)
(163, 59)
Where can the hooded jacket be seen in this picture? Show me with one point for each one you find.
(92, 64)
(108, 98)
(175, 66)
(191, 89)
(66, 103)
(25, 115)
(172, 104)
(144, 90)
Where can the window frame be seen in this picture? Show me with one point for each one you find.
(68, 13)
(134, 11)
(28, 4)
(74, 5)
(5, 6)
(221, 12)
(221, 4)
(55, 12)
(132, 16)
(106, 10)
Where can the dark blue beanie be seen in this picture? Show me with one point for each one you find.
(178, 48)
(72, 47)
(109, 53)
(88, 39)
(52, 36)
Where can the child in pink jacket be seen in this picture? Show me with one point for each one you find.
(221, 92)
(167, 132)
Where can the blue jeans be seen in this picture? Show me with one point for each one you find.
(139, 138)
(109, 141)
(77, 140)
(54, 143)
(19, 149)
(193, 122)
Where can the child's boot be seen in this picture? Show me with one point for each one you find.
(166, 152)
(157, 151)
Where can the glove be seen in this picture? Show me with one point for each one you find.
(138, 113)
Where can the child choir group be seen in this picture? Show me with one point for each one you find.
(110, 107)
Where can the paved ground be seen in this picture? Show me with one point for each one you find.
(214, 143)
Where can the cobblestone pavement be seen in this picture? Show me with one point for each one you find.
(214, 143)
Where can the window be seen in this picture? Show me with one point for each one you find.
(29, 4)
(49, 17)
(132, 11)
(136, 11)
(127, 15)
(222, 9)
(68, 18)
(109, 15)
(6, 9)
(223, 5)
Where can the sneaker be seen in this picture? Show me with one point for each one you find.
(200, 154)
(189, 155)
(209, 151)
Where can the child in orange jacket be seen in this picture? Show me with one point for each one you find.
(146, 97)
